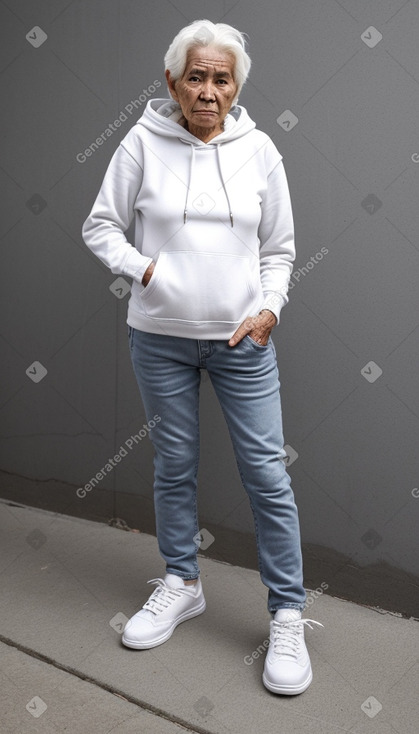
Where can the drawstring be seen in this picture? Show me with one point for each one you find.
(224, 186)
(191, 167)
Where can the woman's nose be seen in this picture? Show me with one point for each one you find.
(207, 91)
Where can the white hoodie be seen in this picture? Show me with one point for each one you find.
(215, 218)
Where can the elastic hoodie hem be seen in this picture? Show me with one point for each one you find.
(187, 329)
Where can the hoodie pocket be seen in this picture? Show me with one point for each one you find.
(199, 286)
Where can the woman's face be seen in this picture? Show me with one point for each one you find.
(206, 90)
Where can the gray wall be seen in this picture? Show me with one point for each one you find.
(348, 341)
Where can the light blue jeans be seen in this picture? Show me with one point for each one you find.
(246, 381)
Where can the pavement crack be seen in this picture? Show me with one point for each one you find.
(143, 705)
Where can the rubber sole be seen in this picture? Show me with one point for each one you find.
(287, 690)
(134, 645)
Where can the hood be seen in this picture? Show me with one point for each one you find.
(161, 115)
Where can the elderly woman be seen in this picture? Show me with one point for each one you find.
(213, 254)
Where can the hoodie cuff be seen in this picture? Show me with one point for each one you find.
(274, 302)
(273, 314)
(136, 265)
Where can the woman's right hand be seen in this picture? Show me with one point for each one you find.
(147, 275)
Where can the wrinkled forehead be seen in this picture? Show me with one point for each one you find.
(210, 59)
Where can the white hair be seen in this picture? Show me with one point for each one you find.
(206, 33)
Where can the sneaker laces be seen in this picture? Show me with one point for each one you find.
(162, 597)
(286, 636)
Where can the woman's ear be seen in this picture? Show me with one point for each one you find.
(171, 85)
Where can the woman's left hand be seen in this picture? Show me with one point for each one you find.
(257, 327)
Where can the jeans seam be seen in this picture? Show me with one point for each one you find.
(195, 478)
(257, 533)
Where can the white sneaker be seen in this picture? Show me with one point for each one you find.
(287, 667)
(170, 604)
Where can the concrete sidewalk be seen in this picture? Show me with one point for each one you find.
(67, 588)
